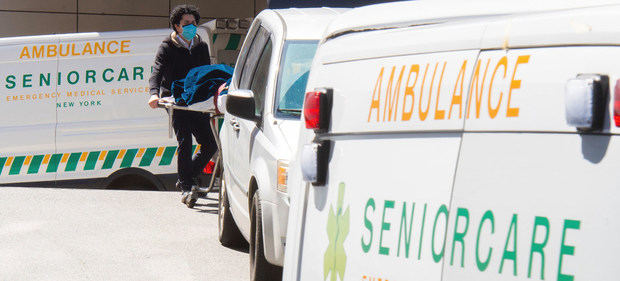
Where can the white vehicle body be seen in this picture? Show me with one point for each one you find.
(252, 149)
(451, 156)
(75, 113)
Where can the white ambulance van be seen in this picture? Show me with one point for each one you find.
(460, 141)
(74, 110)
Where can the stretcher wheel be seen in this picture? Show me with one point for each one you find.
(191, 202)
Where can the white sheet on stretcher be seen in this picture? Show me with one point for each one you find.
(204, 106)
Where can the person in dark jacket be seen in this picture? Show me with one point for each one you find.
(177, 54)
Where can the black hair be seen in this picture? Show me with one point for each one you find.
(185, 9)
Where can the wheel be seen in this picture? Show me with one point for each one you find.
(191, 202)
(260, 268)
(184, 198)
(228, 233)
(192, 198)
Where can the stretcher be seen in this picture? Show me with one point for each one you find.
(215, 120)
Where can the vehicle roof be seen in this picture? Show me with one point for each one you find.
(83, 36)
(303, 23)
(102, 35)
(409, 13)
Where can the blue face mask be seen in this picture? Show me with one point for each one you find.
(189, 31)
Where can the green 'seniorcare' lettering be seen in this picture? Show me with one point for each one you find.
(45, 79)
(73, 77)
(368, 223)
(422, 233)
(10, 82)
(566, 250)
(488, 216)
(385, 226)
(539, 247)
(438, 256)
(404, 232)
(27, 82)
(511, 255)
(459, 236)
(485, 231)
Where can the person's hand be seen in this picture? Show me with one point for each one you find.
(153, 101)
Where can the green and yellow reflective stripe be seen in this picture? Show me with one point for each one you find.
(16, 167)
(148, 156)
(2, 162)
(91, 160)
(52, 167)
(73, 161)
(35, 164)
(109, 159)
(214, 38)
(166, 158)
(233, 42)
(128, 158)
(51, 163)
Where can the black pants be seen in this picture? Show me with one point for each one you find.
(186, 124)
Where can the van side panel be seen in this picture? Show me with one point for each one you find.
(396, 127)
(372, 211)
(28, 106)
(75, 109)
(103, 106)
(395, 133)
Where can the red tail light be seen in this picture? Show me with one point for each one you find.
(317, 107)
(312, 110)
(617, 103)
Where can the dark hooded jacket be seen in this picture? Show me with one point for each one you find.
(173, 61)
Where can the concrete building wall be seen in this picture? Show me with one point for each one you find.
(36, 17)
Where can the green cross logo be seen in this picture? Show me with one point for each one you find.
(337, 230)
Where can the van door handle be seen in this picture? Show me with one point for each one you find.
(235, 124)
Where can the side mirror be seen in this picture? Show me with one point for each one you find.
(240, 103)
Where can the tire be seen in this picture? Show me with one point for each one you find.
(228, 232)
(260, 268)
(191, 202)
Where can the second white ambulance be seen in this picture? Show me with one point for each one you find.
(74, 111)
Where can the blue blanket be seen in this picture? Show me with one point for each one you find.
(200, 84)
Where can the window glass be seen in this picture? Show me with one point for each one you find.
(243, 57)
(293, 76)
(259, 81)
(262, 35)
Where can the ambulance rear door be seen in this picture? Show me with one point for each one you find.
(536, 198)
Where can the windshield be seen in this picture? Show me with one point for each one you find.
(294, 70)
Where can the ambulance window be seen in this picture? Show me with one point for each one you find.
(254, 52)
(259, 81)
(293, 76)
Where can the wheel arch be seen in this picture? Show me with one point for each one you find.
(134, 174)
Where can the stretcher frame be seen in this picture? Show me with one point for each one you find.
(214, 118)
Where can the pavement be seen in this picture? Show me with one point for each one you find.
(70, 234)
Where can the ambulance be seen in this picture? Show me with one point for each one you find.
(74, 110)
(467, 140)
